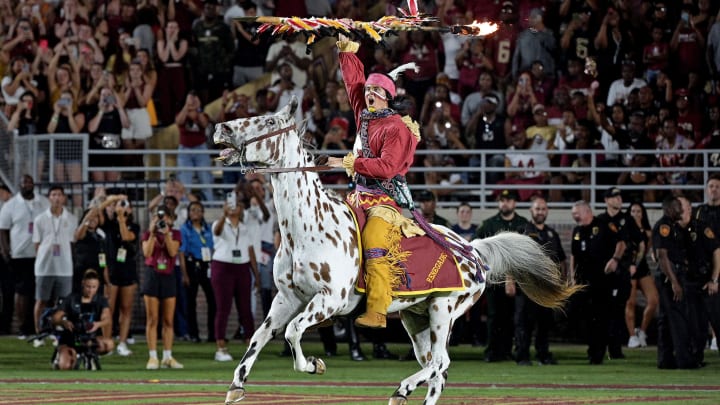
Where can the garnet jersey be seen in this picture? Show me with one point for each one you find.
(502, 47)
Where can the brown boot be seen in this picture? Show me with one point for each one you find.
(370, 319)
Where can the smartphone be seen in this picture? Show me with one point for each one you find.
(685, 17)
(231, 200)
(64, 102)
(43, 44)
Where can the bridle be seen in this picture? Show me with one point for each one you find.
(277, 132)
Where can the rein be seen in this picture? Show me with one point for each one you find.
(277, 132)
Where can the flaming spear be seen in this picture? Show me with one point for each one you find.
(320, 27)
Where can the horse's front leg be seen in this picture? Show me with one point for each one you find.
(283, 308)
(320, 308)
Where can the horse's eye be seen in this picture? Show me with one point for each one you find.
(270, 121)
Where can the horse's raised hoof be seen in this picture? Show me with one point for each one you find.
(398, 400)
(319, 365)
(234, 395)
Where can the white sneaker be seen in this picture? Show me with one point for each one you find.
(130, 341)
(223, 355)
(123, 350)
(152, 364)
(38, 343)
(54, 340)
(642, 337)
(634, 342)
(171, 363)
(713, 344)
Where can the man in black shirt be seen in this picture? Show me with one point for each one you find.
(675, 328)
(527, 313)
(619, 279)
(593, 259)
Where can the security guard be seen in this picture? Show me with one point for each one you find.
(527, 313)
(593, 248)
(499, 303)
(675, 329)
(703, 273)
(619, 280)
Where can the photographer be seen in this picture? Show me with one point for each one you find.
(160, 245)
(105, 128)
(81, 317)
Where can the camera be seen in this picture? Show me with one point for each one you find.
(124, 203)
(161, 224)
(161, 214)
(109, 100)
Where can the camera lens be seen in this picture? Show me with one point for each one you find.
(161, 224)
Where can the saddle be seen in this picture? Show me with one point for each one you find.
(428, 267)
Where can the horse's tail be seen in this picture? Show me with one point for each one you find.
(527, 263)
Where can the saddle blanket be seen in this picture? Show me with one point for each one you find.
(429, 267)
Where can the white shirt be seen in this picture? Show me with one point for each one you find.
(264, 231)
(298, 48)
(232, 239)
(13, 99)
(537, 163)
(16, 215)
(618, 91)
(284, 99)
(55, 235)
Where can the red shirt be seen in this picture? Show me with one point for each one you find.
(160, 256)
(191, 134)
(502, 47)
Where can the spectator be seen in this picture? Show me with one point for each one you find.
(53, 236)
(543, 83)
(689, 120)
(105, 128)
(464, 226)
(16, 232)
(171, 87)
(577, 40)
(185, 13)
(471, 62)
(292, 52)
(283, 90)
(486, 130)
(655, 55)
(18, 82)
(7, 287)
(502, 43)
(522, 99)
(195, 255)
(192, 123)
(123, 248)
(614, 45)
(233, 266)
(423, 53)
(160, 245)
(676, 331)
(21, 41)
(67, 120)
(90, 250)
(428, 204)
(214, 44)
(620, 88)
(670, 157)
(713, 47)
(74, 310)
(474, 101)
(687, 45)
(119, 62)
(533, 159)
(91, 85)
(635, 138)
(541, 133)
(528, 314)
(535, 43)
(136, 94)
(262, 212)
(249, 55)
(65, 77)
(583, 138)
(575, 79)
(70, 19)
(500, 306)
(639, 244)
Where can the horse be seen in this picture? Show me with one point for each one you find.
(318, 262)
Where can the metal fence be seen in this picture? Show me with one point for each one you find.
(63, 158)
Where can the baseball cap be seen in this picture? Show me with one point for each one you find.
(508, 195)
(612, 192)
(426, 196)
(491, 99)
(339, 122)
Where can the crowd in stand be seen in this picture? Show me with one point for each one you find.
(558, 75)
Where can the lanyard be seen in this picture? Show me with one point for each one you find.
(28, 207)
(235, 232)
(201, 236)
(56, 226)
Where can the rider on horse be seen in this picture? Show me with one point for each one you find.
(384, 151)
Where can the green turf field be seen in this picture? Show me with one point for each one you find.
(26, 378)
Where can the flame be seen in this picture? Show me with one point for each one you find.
(482, 28)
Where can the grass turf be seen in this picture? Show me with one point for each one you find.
(27, 378)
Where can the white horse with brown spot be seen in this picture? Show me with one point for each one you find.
(317, 264)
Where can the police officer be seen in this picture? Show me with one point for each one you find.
(592, 261)
(619, 280)
(702, 277)
(709, 213)
(675, 329)
(527, 313)
(499, 303)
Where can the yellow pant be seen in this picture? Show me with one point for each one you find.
(376, 243)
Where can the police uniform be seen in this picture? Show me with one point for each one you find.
(675, 327)
(703, 243)
(592, 246)
(620, 286)
(527, 313)
(499, 305)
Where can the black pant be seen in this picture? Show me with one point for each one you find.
(528, 315)
(677, 327)
(619, 294)
(500, 323)
(7, 288)
(197, 272)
